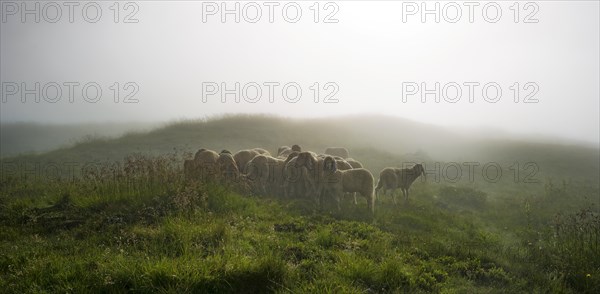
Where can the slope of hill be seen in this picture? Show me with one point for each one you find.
(378, 141)
(142, 227)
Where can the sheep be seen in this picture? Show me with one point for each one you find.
(266, 174)
(198, 152)
(281, 149)
(293, 177)
(285, 153)
(206, 156)
(337, 182)
(299, 177)
(354, 163)
(344, 165)
(337, 151)
(293, 154)
(227, 167)
(312, 166)
(277, 165)
(203, 166)
(242, 158)
(262, 151)
(391, 178)
(257, 172)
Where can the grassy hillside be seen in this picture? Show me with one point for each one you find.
(139, 226)
(377, 141)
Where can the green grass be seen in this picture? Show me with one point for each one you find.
(193, 237)
(138, 226)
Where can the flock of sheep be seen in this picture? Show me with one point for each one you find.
(296, 173)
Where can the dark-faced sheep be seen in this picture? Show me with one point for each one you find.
(303, 172)
(392, 178)
(295, 179)
(337, 151)
(336, 182)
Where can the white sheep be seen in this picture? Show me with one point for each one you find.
(354, 163)
(262, 151)
(343, 164)
(336, 182)
(315, 172)
(299, 176)
(227, 167)
(242, 158)
(204, 165)
(337, 151)
(392, 178)
(285, 153)
(294, 178)
(282, 149)
(266, 173)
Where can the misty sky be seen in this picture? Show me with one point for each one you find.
(369, 54)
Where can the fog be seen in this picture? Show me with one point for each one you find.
(369, 61)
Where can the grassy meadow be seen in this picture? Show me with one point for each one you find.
(116, 215)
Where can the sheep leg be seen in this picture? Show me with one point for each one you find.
(261, 187)
(320, 199)
(355, 202)
(338, 200)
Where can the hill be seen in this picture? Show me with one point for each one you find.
(138, 225)
(377, 141)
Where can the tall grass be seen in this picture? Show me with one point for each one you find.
(138, 225)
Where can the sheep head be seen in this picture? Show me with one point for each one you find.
(419, 170)
(296, 148)
(329, 164)
(305, 159)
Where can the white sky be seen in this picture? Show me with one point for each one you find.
(369, 53)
